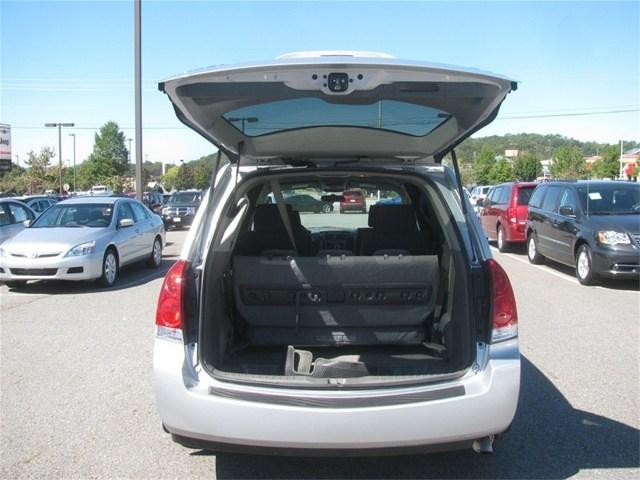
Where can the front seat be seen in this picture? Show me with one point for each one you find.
(394, 230)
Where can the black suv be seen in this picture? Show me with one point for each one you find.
(181, 208)
(594, 226)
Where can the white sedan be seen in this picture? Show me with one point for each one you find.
(83, 239)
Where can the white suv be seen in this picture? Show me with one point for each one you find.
(392, 330)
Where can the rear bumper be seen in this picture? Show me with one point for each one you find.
(197, 417)
(345, 207)
(516, 232)
(177, 220)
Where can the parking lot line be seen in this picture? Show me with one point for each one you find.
(541, 267)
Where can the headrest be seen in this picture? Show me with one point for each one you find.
(392, 218)
(267, 218)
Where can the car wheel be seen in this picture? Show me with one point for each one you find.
(502, 244)
(326, 208)
(155, 258)
(109, 268)
(16, 283)
(532, 251)
(584, 266)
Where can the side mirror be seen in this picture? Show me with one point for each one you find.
(27, 223)
(567, 211)
(125, 222)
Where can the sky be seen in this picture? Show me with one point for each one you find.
(74, 61)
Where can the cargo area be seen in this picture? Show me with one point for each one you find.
(374, 300)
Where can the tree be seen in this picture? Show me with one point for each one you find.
(609, 165)
(41, 175)
(184, 178)
(500, 172)
(569, 163)
(110, 156)
(527, 167)
(483, 164)
(169, 178)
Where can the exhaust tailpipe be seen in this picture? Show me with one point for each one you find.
(484, 445)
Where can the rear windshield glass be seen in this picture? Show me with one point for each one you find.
(615, 198)
(524, 194)
(185, 197)
(322, 210)
(272, 117)
(76, 215)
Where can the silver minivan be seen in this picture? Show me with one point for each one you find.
(384, 331)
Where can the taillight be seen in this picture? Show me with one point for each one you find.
(504, 314)
(512, 215)
(170, 313)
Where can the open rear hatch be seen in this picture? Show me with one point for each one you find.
(323, 106)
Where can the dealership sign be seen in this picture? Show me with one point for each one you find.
(5, 147)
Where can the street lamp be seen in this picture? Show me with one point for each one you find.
(74, 161)
(243, 120)
(59, 125)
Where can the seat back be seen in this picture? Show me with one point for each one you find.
(394, 230)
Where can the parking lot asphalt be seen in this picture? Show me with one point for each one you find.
(76, 395)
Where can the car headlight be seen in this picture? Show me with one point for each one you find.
(82, 249)
(610, 237)
(165, 210)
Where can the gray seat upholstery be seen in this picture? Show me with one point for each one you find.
(269, 233)
(394, 230)
(335, 300)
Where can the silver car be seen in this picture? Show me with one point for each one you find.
(377, 332)
(13, 214)
(83, 239)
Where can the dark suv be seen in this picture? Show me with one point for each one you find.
(594, 226)
(181, 208)
(504, 213)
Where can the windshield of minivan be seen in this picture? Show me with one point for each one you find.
(75, 215)
(615, 198)
(185, 197)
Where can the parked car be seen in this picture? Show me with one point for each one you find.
(307, 203)
(479, 192)
(503, 213)
(592, 226)
(181, 209)
(154, 201)
(271, 335)
(13, 214)
(83, 239)
(353, 200)
(38, 203)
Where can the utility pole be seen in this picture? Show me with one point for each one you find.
(621, 152)
(17, 160)
(137, 13)
(74, 161)
(59, 125)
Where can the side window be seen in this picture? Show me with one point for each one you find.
(495, 196)
(550, 202)
(504, 195)
(536, 198)
(124, 211)
(20, 213)
(5, 218)
(138, 211)
(568, 199)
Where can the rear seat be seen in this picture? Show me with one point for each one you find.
(394, 230)
(335, 300)
(269, 233)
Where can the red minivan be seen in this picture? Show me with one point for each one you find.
(504, 213)
(353, 200)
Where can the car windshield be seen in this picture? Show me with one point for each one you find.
(184, 197)
(322, 210)
(76, 215)
(615, 198)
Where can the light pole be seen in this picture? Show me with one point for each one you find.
(74, 161)
(17, 160)
(59, 125)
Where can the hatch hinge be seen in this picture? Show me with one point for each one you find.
(408, 163)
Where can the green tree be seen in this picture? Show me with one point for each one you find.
(569, 163)
(169, 178)
(527, 167)
(184, 179)
(500, 172)
(40, 174)
(483, 164)
(609, 165)
(202, 175)
(109, 156)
